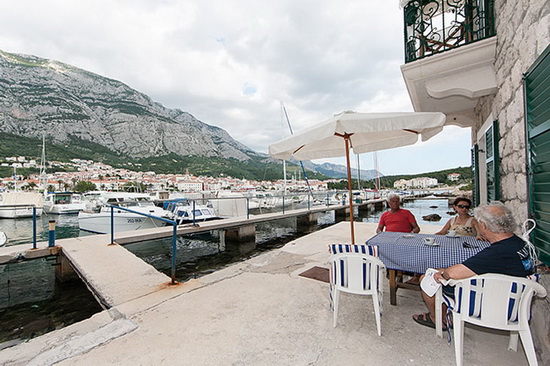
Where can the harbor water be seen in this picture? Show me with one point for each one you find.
(32, 302)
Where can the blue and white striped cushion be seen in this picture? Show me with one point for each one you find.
(350, 248)
(476, 299)
(353, 248)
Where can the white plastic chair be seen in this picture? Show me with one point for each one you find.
(495, 301)
(359, 274)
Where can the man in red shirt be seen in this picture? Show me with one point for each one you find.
(397, 219)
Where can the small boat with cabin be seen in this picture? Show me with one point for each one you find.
(63, 203)
(97, 217)
(186, 211)
(15, 205)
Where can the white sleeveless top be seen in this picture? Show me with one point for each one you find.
(464, 230)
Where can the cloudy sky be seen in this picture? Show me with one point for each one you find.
(231, 63)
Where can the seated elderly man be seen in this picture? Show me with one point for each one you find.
(397, 219)
(508, 254)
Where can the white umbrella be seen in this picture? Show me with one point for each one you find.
(364, 132)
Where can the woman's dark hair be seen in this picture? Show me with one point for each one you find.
(460, 199)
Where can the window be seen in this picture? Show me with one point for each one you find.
(492, 162)
(537, 119)
(485, 164)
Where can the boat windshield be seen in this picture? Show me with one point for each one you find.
(62, 198)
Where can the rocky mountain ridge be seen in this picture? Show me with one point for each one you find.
(74, 107)
(44, 97)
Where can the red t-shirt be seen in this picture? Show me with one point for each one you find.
(401, 221)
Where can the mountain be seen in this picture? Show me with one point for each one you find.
(340, 171)
(44, 97)
(87, 116)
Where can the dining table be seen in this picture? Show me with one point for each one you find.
(408, 252)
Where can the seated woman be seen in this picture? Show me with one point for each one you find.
(463, 224)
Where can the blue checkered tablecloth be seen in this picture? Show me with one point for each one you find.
(408, 252)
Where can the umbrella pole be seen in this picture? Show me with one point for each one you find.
(346, 138)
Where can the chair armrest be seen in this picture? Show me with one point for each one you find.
(438, 312)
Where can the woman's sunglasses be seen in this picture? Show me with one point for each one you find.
(462, 206)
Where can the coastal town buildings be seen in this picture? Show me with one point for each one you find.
(453, 177)
(107, 178)
(420, 182)
(486, 65)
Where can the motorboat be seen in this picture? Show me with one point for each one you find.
(185, 211)
(63, 203)
(14, 205)
(143, 215)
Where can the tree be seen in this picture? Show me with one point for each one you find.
(134, 187)
(84, 186)
(30, 186)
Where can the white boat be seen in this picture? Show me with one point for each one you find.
(184, 211)
(14, 205)
(3, 238)
(63, 203)
(98, 220)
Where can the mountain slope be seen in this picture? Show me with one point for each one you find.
(40, 96)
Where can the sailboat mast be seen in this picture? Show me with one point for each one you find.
(358, 172)
(284, 161)
(15, 178)
(377, 178)
(292, 133)
(43, 165)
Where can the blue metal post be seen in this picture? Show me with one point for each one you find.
(308, 201)
(173, 270)
(34, 227)
(193, 212)
(51, 236)
(112, 225)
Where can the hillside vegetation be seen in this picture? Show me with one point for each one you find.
(258, 168)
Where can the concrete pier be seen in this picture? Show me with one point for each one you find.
(259, 312)
(241, 233)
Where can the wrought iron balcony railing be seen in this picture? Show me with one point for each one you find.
(433, 26)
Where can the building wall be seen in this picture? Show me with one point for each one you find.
(523, 32)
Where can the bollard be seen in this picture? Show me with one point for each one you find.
(51, 237)
(112, 226)
(34, 227)
(173, 259)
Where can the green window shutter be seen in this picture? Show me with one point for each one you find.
(475, 174)
(537, 119)
(492, 163)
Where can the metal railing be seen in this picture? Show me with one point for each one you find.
(281, 202)
(34, 216)
(170, 222)
(434, 26)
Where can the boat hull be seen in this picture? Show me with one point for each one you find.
(100, 222)
(7, 212)
(67, 209)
